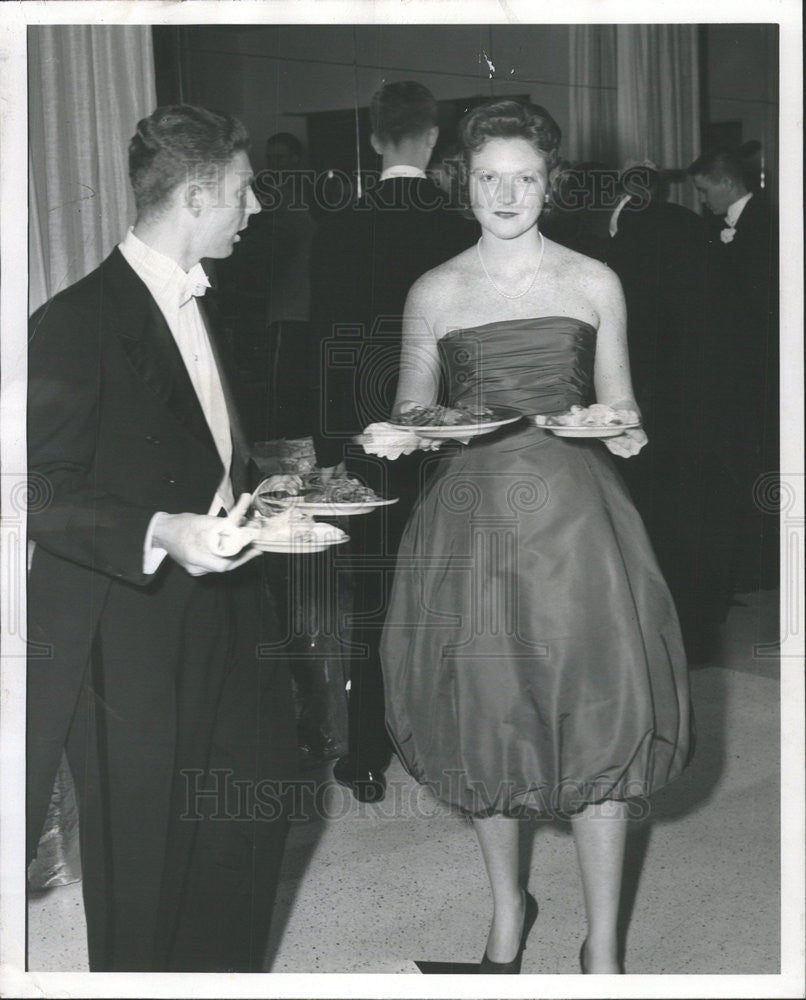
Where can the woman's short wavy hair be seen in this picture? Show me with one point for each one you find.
(177, 143)
(509, 119)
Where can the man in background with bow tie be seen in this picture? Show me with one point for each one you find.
(178, 730)
(743, 316)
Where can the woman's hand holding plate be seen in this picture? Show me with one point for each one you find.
(627, 444)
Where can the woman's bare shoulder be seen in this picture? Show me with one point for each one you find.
(567, 258)
(451, 270)
(439, 285)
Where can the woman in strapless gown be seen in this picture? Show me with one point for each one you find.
(532, 656)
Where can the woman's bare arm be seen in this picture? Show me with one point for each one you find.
(418, 383)
(611, 373)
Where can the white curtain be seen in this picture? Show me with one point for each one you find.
(88, 86)
(659, 96)
(635, 95)
(592, 129)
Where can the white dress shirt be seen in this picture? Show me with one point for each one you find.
(173, 290)
(613, 226)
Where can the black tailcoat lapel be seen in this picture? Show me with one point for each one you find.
(149, 345)
(240, 473)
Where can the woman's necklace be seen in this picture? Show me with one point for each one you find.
(509, 295)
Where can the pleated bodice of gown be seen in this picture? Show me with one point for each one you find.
(531, 653)
(533, 365)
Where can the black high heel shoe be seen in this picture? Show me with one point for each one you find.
(487, 967)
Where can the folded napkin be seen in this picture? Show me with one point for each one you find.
(388, 441)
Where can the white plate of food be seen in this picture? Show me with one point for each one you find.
(463, 422)
(341, 496)
(294, 533)
(596, 421)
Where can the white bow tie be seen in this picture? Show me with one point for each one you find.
(196, 284)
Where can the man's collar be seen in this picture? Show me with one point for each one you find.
(161, 273)
(736, 209)
(402, 170)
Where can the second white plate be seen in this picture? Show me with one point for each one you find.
(602, 431)
(445, 431)
(320, 508)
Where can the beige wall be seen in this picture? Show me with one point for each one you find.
(743, 82)
(272, 75)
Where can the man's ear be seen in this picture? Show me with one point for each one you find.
(376, 144)
(431, 136)
(193, 197)
(727, 184)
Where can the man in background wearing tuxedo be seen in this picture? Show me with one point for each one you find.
(364, 261)
(179, 735)
(742, 262)
(658, 251)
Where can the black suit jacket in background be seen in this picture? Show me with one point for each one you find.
(750, 260)
(364, 262)
(659, 255)
(744, 308)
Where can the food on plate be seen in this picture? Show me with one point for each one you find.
(339, 489)
(597, 415)
(444, 416)
(292, 526)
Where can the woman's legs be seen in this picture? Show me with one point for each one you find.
(599, 834)
(498, 839)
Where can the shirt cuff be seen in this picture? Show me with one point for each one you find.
(153, 554)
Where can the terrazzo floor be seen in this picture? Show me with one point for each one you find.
(375, 888)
